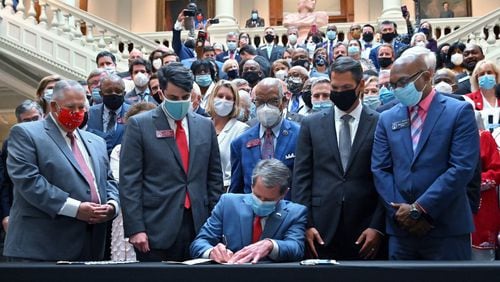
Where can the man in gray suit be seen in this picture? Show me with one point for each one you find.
(63, 188)
(332, 174)
(170, 172)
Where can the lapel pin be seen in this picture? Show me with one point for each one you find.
(285, 132)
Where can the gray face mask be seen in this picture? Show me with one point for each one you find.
(268, 115)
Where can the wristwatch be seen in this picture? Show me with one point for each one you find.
(415, 214)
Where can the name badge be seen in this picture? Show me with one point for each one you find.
(253, 143)
(164, 133)
(400, 124)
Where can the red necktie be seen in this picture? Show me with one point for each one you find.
(94, 197)
(180, 138)
(257, 229)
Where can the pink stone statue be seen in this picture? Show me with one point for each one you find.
(305, 18)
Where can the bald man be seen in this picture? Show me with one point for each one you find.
(435, 141)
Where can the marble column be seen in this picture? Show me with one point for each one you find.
(224, 11)
(391, 9)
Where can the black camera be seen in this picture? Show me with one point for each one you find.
(188, 13)
(214, 21)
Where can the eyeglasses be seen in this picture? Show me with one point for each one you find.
(402, 83)
(272, 102)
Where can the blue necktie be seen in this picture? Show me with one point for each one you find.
(295, 104)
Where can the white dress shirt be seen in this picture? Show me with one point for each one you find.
(354, 122)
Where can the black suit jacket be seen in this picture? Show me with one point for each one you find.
(5, 184)
(321, 184)
(276, 53)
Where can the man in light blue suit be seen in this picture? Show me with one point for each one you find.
(273, 129)
(278, 228)
(425, 152)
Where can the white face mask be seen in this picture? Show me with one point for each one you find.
(47, 95)
(457, 59)
(420, 43)
(268, 115)
(157, 63)
(281, 75)
(292, 39)
(444, 87)
(141, 79)
(223, 107)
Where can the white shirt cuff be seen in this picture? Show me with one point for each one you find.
(275, 251)
(206, 254)
(117, 207)
(70, 207)
(178, 25)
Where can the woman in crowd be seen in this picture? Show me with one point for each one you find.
(320, 63)
(279, 69)
(370, 93)
(155, 58)
(441, 53)
(231, 68)
(44, 91)
(483, 80)
(455, 58)
(418, 39)
(205, 76)
(354, 50)
(426, 29)
(121, 249)
(223, 106)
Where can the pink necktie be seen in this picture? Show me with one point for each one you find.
(268, 146)
(181, 140)
(94, 197)
(416, 126)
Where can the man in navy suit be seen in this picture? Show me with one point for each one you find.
(107, 119)
(388, 31)
(271, 51)
(277, 232)
(425, 152)
(232, 46)
(273, 137)
(186, 50)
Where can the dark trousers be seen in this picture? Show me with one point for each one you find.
(179, 251)
(430, 248)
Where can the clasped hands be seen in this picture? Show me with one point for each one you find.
(402, 217)
(251, 253)
(93, 213)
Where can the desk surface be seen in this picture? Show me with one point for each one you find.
(346, 271)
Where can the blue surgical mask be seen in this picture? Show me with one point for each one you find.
(47, 95)
(353, 50)
(324, 105)
(254, 16)
(176, 109)
(231, 45)
(385, 95)
(408, 95)
(203, 80)
(371, 101)
(96, 96)
(331, 35)
(262, 208)
(487, 81)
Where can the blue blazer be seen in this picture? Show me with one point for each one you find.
(95, 122)
(233, 217)
(222, 57)
(437, 174)
(179, 48)
(246, 153)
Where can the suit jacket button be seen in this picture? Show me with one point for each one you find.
(88, 192)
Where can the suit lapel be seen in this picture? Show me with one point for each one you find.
(366, 122)
(283, 140)
(332, 136)
(403, 134)
(161, 124)
(227, 128)
(435, 110)
(255, 150)
(193, 125)
(246, 221)
(100, 113)
(274, 221)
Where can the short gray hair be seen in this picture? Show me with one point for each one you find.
(273, 82)
(428, 56)
(272, 173)
(25, 106)
(319, 80)
(61, 86)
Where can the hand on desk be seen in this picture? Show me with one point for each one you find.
(252, 253)
(221, 254)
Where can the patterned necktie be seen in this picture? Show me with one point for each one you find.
(111, 121)
(416, 126)
(295, 103)
(257, 229)
(94, 197)
(182, 145)
(268, 146)
(345, 140)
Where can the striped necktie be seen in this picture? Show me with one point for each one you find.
(416, 126)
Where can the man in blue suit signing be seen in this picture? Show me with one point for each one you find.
(273, 137)
(278, 228)
(425, 152)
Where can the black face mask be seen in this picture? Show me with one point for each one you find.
(306, 97)
(294, 87)
(112, 102)
(316, 39)
(425, 30)
(189, 43)
(388, 37)
(344, 99)
(252, 77)
(384, 62)
(320, 61)
(157, 98)
(269, 38)
(367, 37)
(232, 74)
(302, 63)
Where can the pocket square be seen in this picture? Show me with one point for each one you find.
(290, 156)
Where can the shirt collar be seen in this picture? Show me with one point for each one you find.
(63, 132)
(106, 110)
(275, 129)
(426, 102)
(356, 113)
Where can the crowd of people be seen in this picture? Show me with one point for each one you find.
(377, 146)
